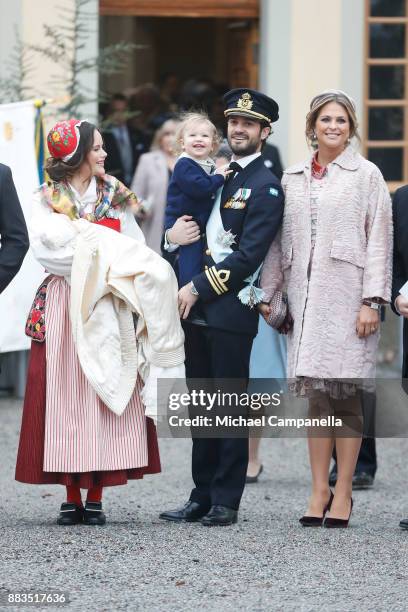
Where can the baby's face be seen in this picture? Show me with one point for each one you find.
(198, 140)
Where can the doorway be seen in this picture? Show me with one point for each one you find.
(217, 50)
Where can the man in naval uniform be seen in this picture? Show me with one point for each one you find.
(218, 307)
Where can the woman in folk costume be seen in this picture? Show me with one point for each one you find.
(70, 436)
(335, 264)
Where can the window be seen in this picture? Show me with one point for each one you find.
(386, 93)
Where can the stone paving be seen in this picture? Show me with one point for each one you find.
(265, 562)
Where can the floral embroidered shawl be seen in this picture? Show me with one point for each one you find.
(111, 194)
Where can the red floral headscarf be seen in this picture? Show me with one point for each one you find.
(63, 139)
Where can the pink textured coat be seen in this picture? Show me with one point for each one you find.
(352, 260)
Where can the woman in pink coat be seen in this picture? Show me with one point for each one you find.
(335, 264)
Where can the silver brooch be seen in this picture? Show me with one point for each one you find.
(225, 239)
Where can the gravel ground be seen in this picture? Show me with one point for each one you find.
(265, 562)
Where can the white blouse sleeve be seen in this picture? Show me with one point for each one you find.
(52, 238)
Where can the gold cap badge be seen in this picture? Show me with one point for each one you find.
(245, 102)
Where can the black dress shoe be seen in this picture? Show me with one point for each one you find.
(316, 521)
(70, 514)
(252, 479)
(362, 480)
(220, 515)
(335, 523)
(93, 514)
(191, 511)
(404, 523)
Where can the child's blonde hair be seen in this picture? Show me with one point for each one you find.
(188, 119)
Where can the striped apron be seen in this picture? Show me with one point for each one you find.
(81, 433)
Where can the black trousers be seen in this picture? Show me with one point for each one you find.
(219, 464)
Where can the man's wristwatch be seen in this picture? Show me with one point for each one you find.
(167, 242)
(371, 304)
(193, 289)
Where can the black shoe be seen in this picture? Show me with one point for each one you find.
(70, 514)
(316, 521)
(362, 480)
(404, 523)
(220, 515)
(93, 514)
(252, 479)
(335, 523)
(191, 511)
(333, 477)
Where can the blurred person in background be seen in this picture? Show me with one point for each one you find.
(123, 143)
(366, 468)
(399, 298)
(223, 155)
(268, 355)
(145, 105)
(272, 159)
(200, 95)
(267, 374)
(169, 84)
(13, 230)
(151, 181)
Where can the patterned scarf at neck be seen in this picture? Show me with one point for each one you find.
(111, 197)
(318, 171)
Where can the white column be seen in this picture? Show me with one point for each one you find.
(274, 65)
(10, 22)
(89, 79)
(353, 59)
(316, 63)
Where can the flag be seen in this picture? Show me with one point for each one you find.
(18, 150)
(39, 139)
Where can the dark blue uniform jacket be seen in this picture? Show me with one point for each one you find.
(252, 208)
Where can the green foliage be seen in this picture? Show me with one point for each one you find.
(64, 44)
(13, 86)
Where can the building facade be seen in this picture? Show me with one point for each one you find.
(289, 49)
